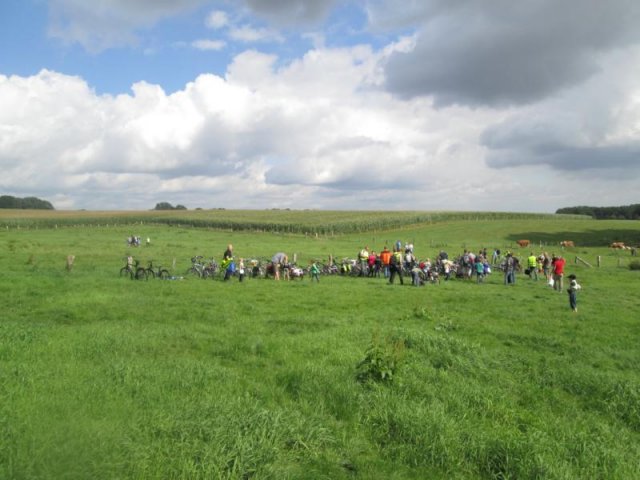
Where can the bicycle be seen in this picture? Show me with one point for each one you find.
(197, 267)
(133, 269)
(161, 273)
(210, 269)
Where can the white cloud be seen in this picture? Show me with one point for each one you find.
(206, 44)
(316, 132)
(248, 34)
(217, 19)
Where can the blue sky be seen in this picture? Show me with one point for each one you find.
(375, 104)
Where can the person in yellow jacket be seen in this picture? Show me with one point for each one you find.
(532, 266)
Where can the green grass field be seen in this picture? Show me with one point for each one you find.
(109, 378)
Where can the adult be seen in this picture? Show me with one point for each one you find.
(228, 253)
(227, 262)
(546, 267)
(279, 260)
(395, 266)
(363, 259)
(385, 258)
(558, 264)
(371, 263)
(510, 269)
(532, 266)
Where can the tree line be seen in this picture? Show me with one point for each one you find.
(626, 212)
(168, 206)
(27, 203)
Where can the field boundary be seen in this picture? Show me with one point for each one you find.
(272, 221)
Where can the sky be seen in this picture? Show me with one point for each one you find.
(490, 105)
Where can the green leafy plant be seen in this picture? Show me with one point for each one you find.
(382, 359)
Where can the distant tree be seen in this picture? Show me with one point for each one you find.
(164, 206)
(168, 206)
(28, 203)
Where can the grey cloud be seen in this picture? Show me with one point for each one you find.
(291, 12)
(504, 52)
(620, 161)
(561, 141)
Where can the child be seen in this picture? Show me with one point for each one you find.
(315, 272)
(574, 286)
(479, 266)
(241, 270)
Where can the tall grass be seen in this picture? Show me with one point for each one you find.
(105, 377)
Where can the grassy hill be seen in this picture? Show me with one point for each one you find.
(105, 377)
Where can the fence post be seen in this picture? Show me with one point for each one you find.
(599, 259)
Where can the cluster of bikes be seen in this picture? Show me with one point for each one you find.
(258, 268)
(134, 270)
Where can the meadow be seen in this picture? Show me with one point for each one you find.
(349, 378)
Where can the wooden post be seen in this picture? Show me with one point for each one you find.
(599, 260)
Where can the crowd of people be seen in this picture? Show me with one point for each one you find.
(400, 262)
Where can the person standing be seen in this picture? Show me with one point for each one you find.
(574, 286)
(371, 262)
(532, 266)
(314, 270)
(241, 270)
(509, 270)
(395, 266)
(385, 258)
(363, 259)
(479, 266)
(227, 262)
(558, 264)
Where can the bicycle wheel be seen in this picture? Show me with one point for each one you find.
(163, 274)
(141, 274)
(194, 271)
(151, 273)
(126, 271)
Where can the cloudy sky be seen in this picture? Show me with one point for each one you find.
(329, 104)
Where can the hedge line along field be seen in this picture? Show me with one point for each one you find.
(105, 377)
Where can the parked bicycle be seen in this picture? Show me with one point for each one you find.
(132, 269)
(159, 272)
(210, 269)
(197, 266)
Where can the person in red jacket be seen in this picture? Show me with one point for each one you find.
(558, 264)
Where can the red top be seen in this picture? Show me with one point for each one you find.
(558, 266)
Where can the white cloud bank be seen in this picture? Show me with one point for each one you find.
(413, 125)
(317, 133)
